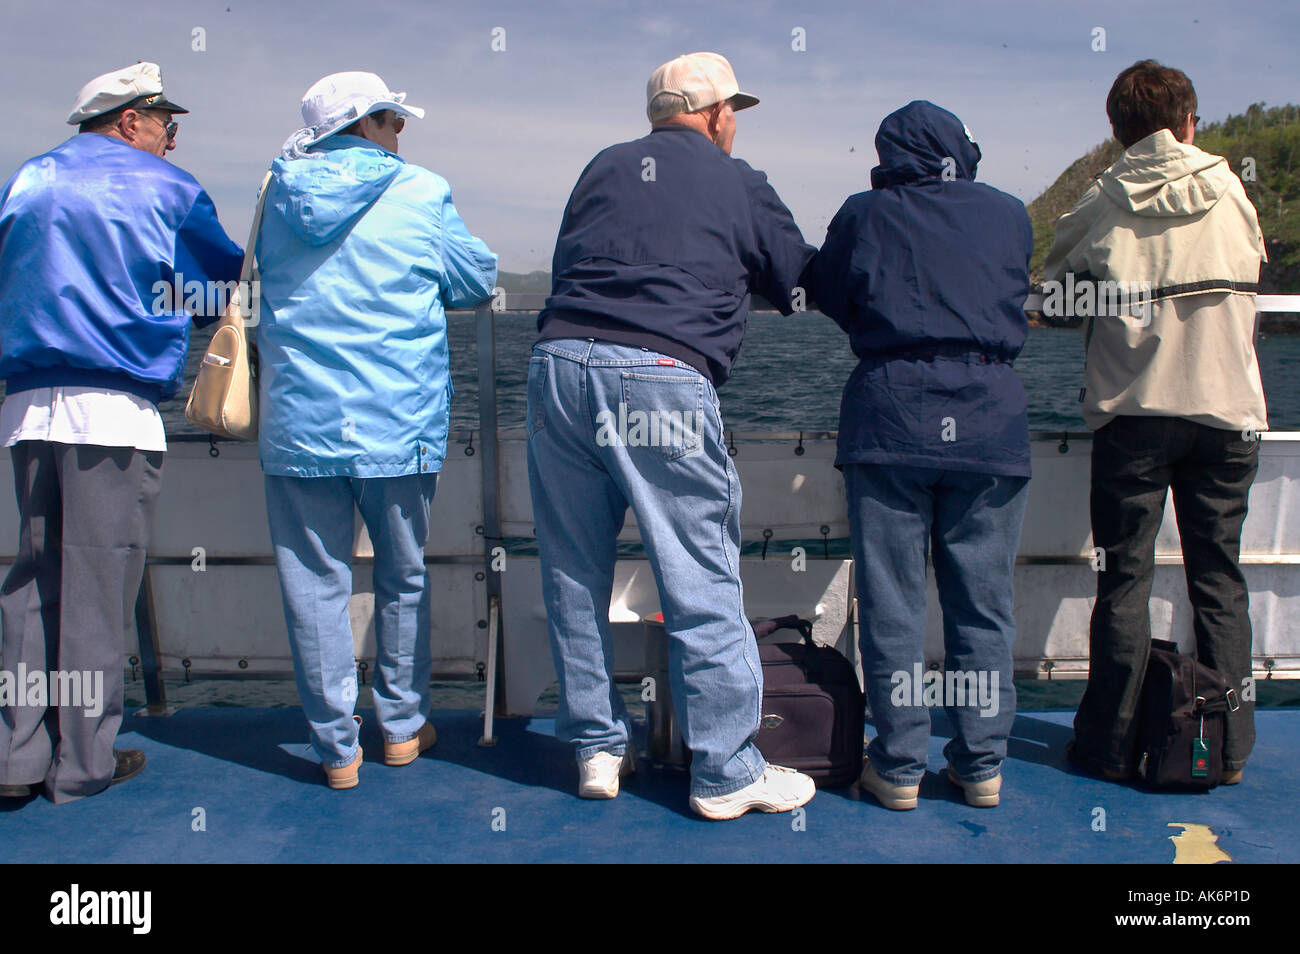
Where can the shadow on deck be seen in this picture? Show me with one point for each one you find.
(248, 775)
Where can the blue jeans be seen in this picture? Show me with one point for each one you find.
(970, 523)
(611, 426)
(312, 531)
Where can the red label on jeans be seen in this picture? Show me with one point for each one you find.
(667, 361)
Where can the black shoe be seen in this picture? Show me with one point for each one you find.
(130, 763)
(16, 791)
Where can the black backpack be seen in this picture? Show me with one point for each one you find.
(1182, 717)
(813, 716)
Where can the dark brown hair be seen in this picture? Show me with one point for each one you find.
(1148, 97)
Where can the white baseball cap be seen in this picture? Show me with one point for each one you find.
(700, 79)
(139, 85)
(340, 99)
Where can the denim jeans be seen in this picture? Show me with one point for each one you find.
(611, 426)
(312, 528)
(970, 523)
(1135, 461)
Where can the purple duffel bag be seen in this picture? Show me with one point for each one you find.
(812, 717)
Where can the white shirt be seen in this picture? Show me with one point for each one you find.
(82, 415)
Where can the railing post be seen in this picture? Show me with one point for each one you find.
(155, 692)
(490, 705)
(485, 318)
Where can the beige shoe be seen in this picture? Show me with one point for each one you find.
(983, 794)
(900, 798)
(345, 776)
(1232, 776)
(404, 753)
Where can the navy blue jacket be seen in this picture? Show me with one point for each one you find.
(662, 242)
(928, 273)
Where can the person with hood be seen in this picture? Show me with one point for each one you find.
(89, 234)
(1174, 397)
(928, 273)
(359, 251)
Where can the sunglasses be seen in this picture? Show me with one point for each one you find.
(170, 128)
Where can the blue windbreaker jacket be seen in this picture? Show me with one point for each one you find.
(359, 252)
(928, 273)
(95, 237)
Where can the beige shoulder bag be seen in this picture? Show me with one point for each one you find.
(224, 397)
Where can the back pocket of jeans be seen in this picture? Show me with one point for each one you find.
(538, 370)
(659, 413)
(1137, 435)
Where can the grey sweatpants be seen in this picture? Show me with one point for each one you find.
(85, 512)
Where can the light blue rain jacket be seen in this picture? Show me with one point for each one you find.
(359, 253)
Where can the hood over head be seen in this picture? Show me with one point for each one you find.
(914, 142)
(1160, 176)
(322, 193)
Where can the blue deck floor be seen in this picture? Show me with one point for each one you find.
(262, 799)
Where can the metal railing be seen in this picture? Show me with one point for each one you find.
(489, 443)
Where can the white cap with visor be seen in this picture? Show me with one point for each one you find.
(692, 82)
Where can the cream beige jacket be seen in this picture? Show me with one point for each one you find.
(1174, 223)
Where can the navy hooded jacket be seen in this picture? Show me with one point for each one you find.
(928, 273)
(662, 242)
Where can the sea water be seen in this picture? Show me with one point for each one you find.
(791, 372)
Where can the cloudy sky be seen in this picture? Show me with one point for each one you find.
(512, 128)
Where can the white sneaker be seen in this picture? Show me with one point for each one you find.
(780, 789)
(598, 776)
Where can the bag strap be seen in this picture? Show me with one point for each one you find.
(767, 627)
(246, 272)
(1212, 699)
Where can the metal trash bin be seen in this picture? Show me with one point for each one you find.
(665, 743)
